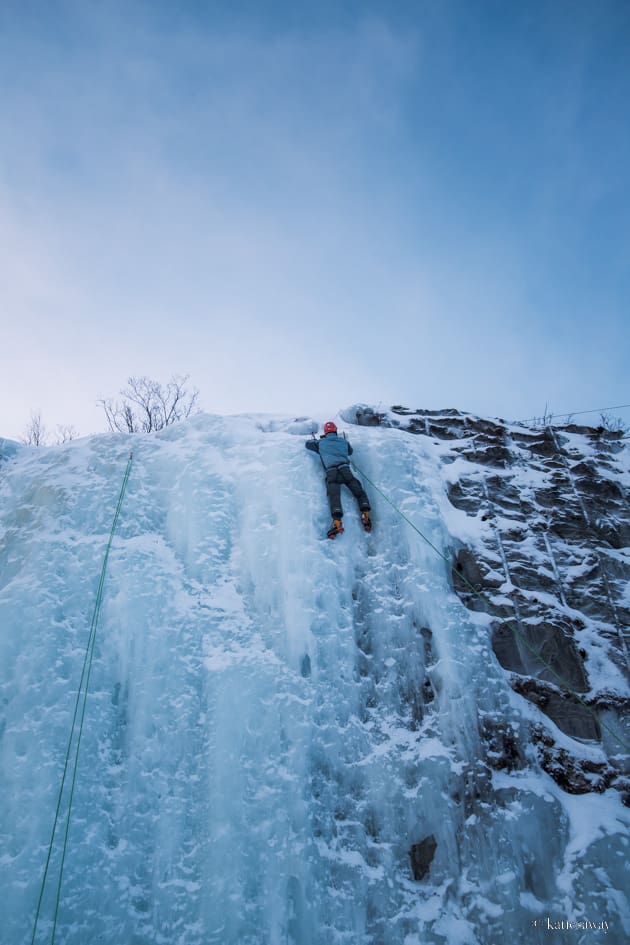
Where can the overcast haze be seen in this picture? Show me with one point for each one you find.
(305, 205)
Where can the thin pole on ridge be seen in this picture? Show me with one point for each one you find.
(578, 413)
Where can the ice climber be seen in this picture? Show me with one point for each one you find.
(334, 452)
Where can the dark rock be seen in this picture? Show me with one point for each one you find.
(466, 494)
(584, 469)
(555, 645)
(543, 447)
(567, 521)
(614, 534)
(492, 429)
(523, 439)
(572, 717)
(539, 650)
(466, 570)
(573, 775)
(515, 533)
(490, 456)
(367, 417)
(600, 487)
(605, 701)
(422, 856)
(422, 412)
(417, 426)
(502, 748)
(427, 645)
(532, 577)
(506, 650)
(576, 428)
(502, 490)
(622, 785)
(589, 594)
(550, 499)
(443, 432)
(472, 580)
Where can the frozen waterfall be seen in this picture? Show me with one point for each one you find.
(274, 719)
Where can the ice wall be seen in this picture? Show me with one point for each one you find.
(274, 719)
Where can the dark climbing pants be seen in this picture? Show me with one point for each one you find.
(338, 476)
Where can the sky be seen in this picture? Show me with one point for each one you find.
(309, 205)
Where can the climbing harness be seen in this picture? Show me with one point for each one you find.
(82, 694)
(563, 683)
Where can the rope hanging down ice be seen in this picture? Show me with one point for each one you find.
(82, 694)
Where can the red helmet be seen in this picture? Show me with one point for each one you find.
(330, 427)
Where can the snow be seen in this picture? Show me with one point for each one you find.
(257, 758)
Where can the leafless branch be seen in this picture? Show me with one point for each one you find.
(613, 424)
(65, 433)
(148, 405)
(35, 433)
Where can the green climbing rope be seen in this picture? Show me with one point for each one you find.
(563, 683)
(82, 694)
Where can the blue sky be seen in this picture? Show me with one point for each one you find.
(306, 205)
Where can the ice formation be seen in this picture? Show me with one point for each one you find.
(276, 722)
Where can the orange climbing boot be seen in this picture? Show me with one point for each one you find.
(336, 528)
(366, 521)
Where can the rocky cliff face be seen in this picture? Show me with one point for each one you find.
(545, 552)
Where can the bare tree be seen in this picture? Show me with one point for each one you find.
(65, 433)
(613, 424)
(35, 433)
(148, 406)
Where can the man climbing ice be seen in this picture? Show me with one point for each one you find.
(334, 452)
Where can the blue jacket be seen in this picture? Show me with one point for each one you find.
(333, 450)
